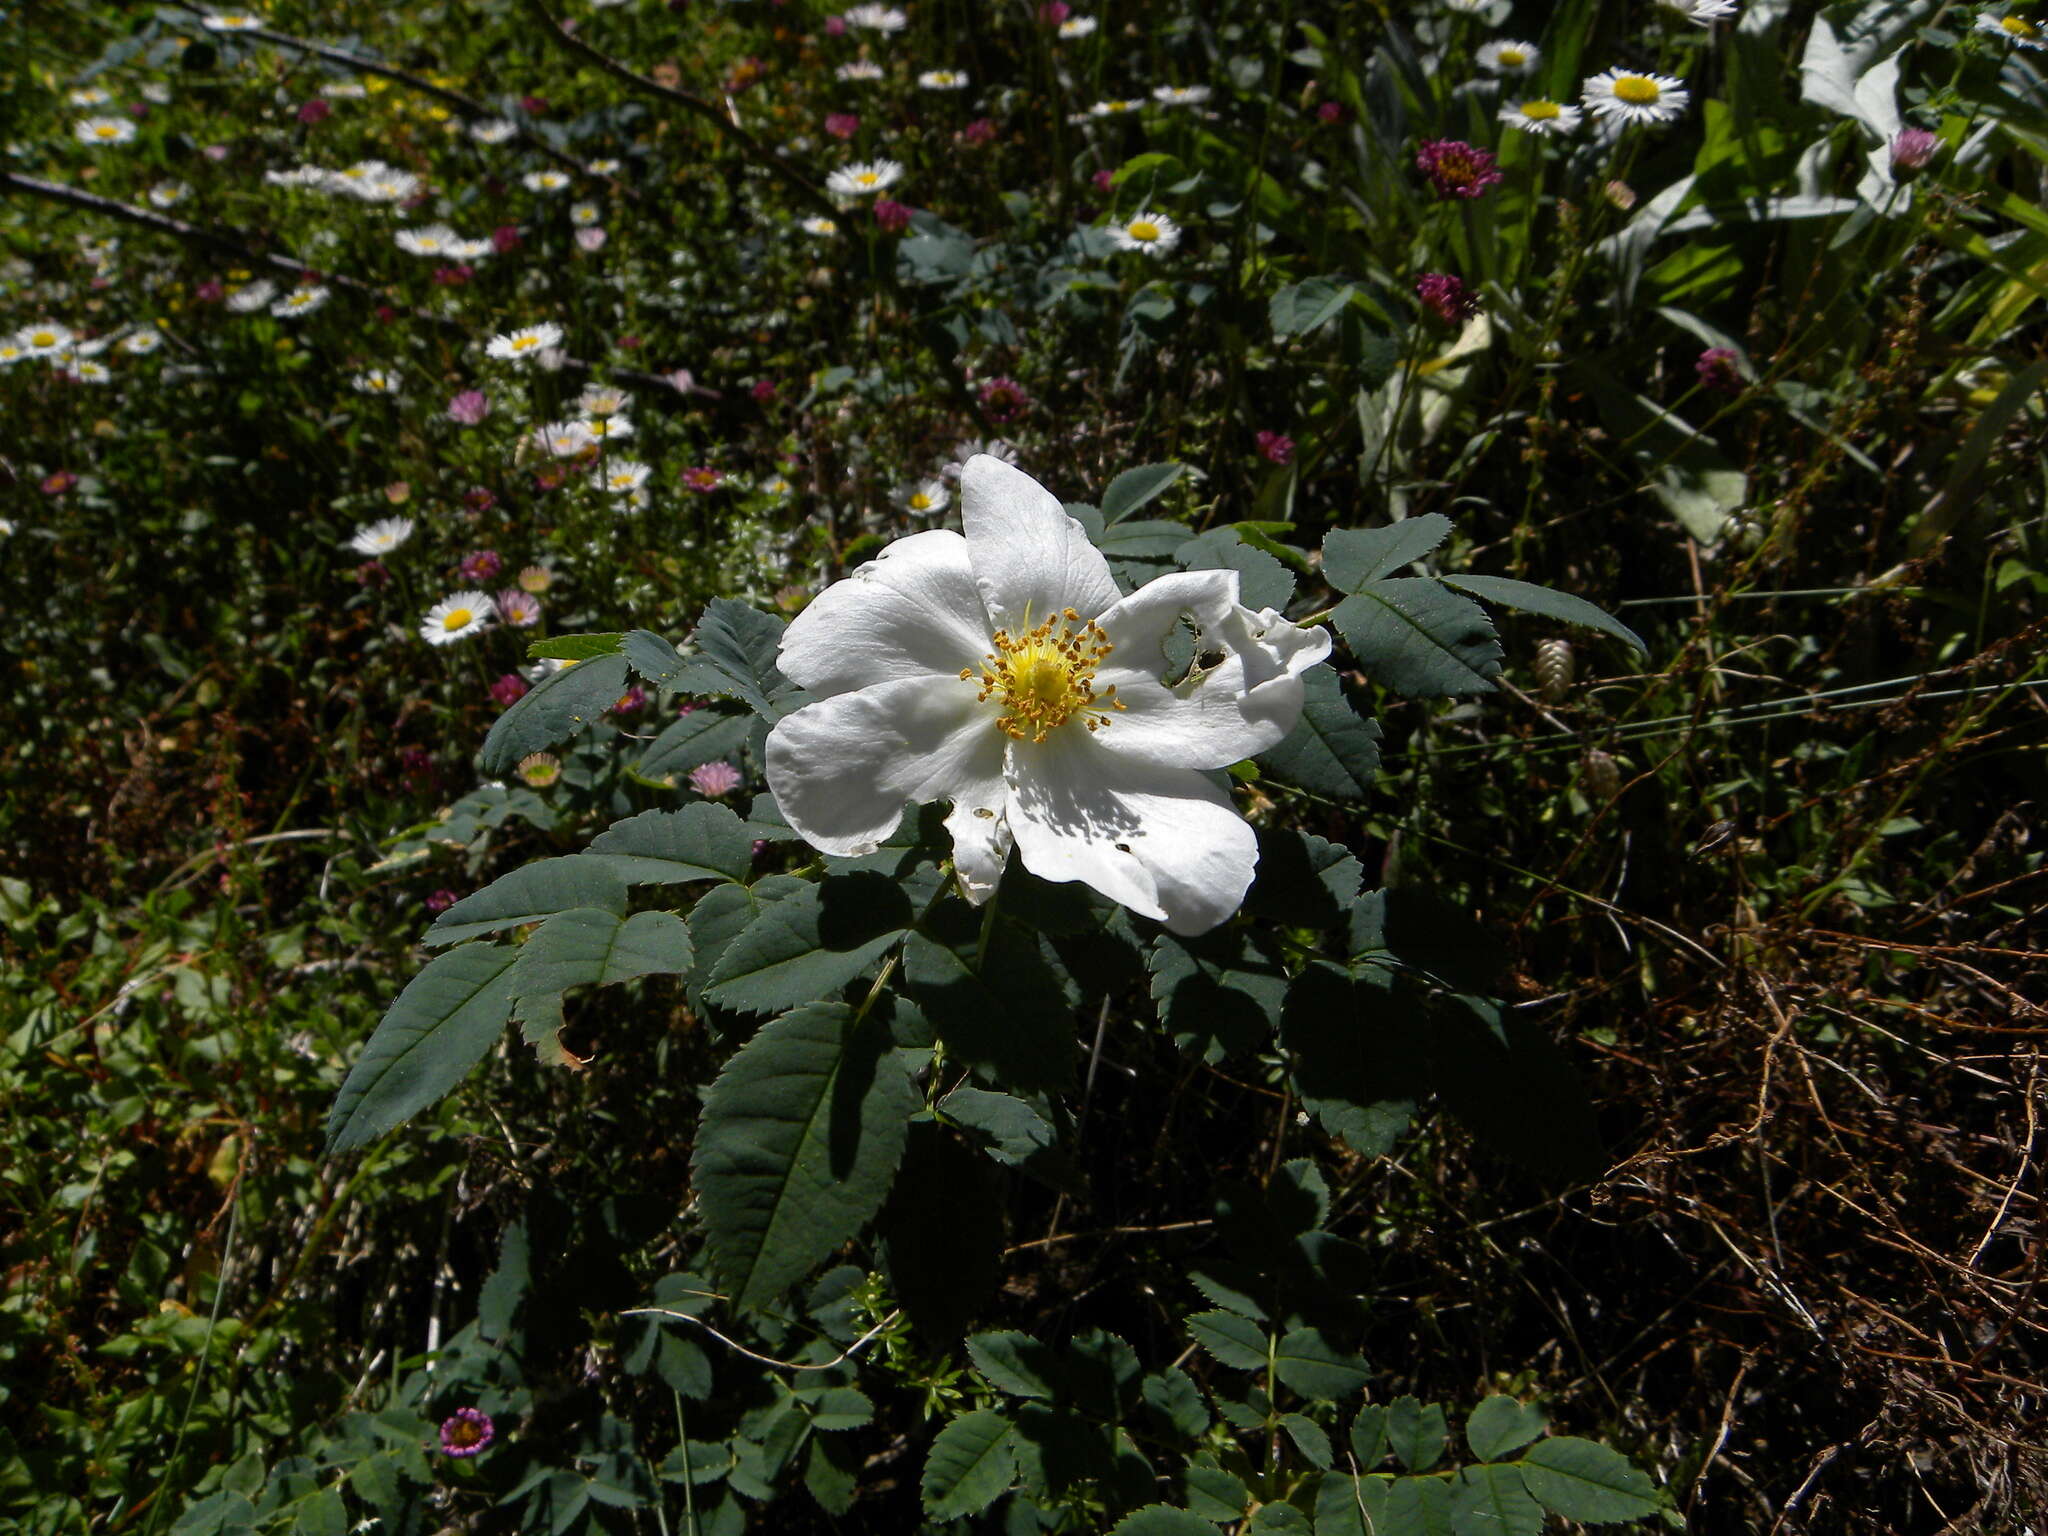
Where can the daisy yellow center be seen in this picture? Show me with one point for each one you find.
(919, 501)
(456, 618)
(1514, 58)
(1142, 229)
(1541, 111)
(524, 343)
(1636, 90)
(43, 339)
(2019, 26)
(867, 178)
(623, 482)
(108, 131)
(1046, 675)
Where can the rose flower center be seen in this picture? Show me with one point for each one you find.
(1046, 675)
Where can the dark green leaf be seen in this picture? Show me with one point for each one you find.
(1134, 487)
(1412, 634)
(797, 1145)
(810, 944)
(1354, 556)
(1357, 1056)
(575, 647)
(1014, 1128)
(1214, 1494)
(1582, 1480)
(1492, 1501)
(1145, 541)
(586, 947)
(1173, 1395)
(1369, 1436)
(1232, 1298)
(529, 894)
(1417, 1432)
(1279, 1520)
(655, 659)
(1309, 1438)
(1303, 308)
(698, 842)
(832, 1473)
(970, 1465)
(1008, 1017)
(322, 1514)
(740, 644)
(1303, 880)
(1312, 1366)
(1508, 1081)
(838, 1408)
(1162, 1520)
(225, 1513)
(1014, 1362)
(1351, 1506)
(440, 1027)
(1209, 995)
(942, 1233)
(1417, 1506)
(1500, 1425)
(1235, 1341)
(1551, 604)
(1263, 582)
(693, 740)
(1333, 750)
(558, 707)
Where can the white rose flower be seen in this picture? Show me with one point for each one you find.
(1003, 671)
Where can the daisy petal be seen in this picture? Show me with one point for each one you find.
(913, 611)
(842, 768)
(1163, 841)
(1028, 555)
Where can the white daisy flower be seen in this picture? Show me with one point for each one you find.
(12, 352)
(776, 486)
(391, 187)
(933, 677)
(1077, 26)
(493, 130)
(471, 250)
(1701, 12)
(544, 181)
(943, 80)
(301, 176)
(585, 213)
(1153, 233)
(376, 381)
(103, 130)
(1115, 107)
(167, 194)
(606, 429)
(88, 96)
(382, 536)
(859, 69)
(2014, 29)
(602, 400)
(927, 498)
(1181, 95)
(1632, 97)
(233, 21)
(967, 452)
(864, 177)
(427, 240)
(529, 341)
(300, 301)
(45, 338)
(251, 297)
(456, 616)
(1540, 116)
(1504, 56)
(91, 373)
(817, 224)
(519, 609)
(563, 439)
(345, 90)
(875, 18)
(622, 477)
(603, 167)
(142, 342)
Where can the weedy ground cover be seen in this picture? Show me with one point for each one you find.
(480, 1049)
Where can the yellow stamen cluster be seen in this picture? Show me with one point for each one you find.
(1046, 676)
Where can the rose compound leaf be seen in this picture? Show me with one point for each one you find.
(942, 1233)
(1354, 556)
(1369, 1436)
(1263, 582)
(1135, 487)
(1417, 1506)
(695, 739)
(440, 1027)
(1500, 1425)
(1235, 1341)
(1333, 750)
(1310, 1438)
(529, 894)
(1280, 1519)
(798, 1143)
(1494, 1501)
(662, 665)
(722, 914)
(1015, 1131)
(1006, 1016)
(588, 947)
(1417, 1432)
(1582, 1480)
(739, 644)
(1414, 635)
(1357, 1056)
(1214, 1494)
(970, 1465)
(1015, 1363)
(1352, 1506)
(1304, 881)
(558, 707)
(1317, 1369)
(1177, 1402)
(699, 842)
(832, 1473)
(1551, 604)
(1162, 1520)
(810, 944)
(1216, 993)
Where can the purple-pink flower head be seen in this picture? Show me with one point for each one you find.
(892, 215)
(469, 407)
(480, 565)
(508, 690)
(714, 779)
(1455, 168)
(1447, 297)
(1718, 370)
(466, 1432)
(1912, 148)
(1276, 446)
(1004, 399)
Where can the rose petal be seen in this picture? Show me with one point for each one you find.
(842, 768)
(1029, 557)
(912, 611)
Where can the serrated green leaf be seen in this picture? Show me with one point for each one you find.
(1351, 1506)
(1302, 309)
(832, 1473)
(1135, 487)
(797, 1145)
(1235, 1341)
(559, 706)
(1228, 1297)
(698, 842)
(722, 914)
(1492, 1501)
(1310, 1438)
(1500, 1425)
(1414, 635)
(1354, 556)
(439, 1027)
(224, 1513)
(1417, 1506)
(1214, 1494)
(1315, 1368)
(1551, 604)
(1417, 1432)
(657, 661)
(970, 1465)
(1173, 1395)
(838, 1408)
(1151, 541)
(1333, 749)
(740, 645)
(692, 740)
(1356, 1055)
(810, 944)
(529, 894)
(1583, 1480)
(1209, 993)
(1263, 582)
(1369, 1436)
(1278, 1519)
(575, 647)
(941, 1233)
(1007, 1017)
(588, 947)
(1015, 1130)
(1162, 1520)
(322, 1514)
(1014, 1362)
